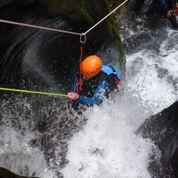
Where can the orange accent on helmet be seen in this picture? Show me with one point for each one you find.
(91, 66)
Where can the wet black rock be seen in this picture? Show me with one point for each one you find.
(5, 173)
(33, 57)
(162, 129)
(5, 2)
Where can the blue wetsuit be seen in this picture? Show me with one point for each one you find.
(94, 90)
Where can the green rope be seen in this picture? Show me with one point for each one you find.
(32, 92)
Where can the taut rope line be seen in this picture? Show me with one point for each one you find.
(82, 40)
(100, 21)
(63, 31)
(38, 27)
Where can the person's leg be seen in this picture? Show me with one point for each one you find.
(173, 21)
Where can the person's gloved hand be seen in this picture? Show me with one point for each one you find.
(169, 14)
(73, 96)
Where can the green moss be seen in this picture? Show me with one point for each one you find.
(113, 30)
(112, 27)
(81, 12)
(84, 12)
(77, 11)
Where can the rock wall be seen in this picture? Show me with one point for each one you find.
(79, 14)
(4, 173)
(162, 129)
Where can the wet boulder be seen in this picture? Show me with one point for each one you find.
(5, 173)
(162, 129)
(31, 57)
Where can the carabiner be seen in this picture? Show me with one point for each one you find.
(83, 38)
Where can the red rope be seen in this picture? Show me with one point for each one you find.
(81, 58)
(80, 82)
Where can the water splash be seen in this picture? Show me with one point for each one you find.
(107, 146)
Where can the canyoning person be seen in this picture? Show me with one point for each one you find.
(98, 81)
(171, 8)
(165, 8)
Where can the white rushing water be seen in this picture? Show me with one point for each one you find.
(107, 146)
(17, 156)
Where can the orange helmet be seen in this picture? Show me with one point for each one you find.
(91, 66)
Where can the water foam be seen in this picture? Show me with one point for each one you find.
(154, 75)
(107, 146)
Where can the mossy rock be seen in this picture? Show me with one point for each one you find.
(89, 12)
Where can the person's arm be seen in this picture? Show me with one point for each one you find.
(74, 85)
(73, 95)
(98, 97)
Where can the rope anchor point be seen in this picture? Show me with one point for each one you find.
(83, 38)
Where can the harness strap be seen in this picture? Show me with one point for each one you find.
(79, 86)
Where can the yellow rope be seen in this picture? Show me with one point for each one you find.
(32, 92)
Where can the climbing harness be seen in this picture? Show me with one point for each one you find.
(32, 92)
(83, 39)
